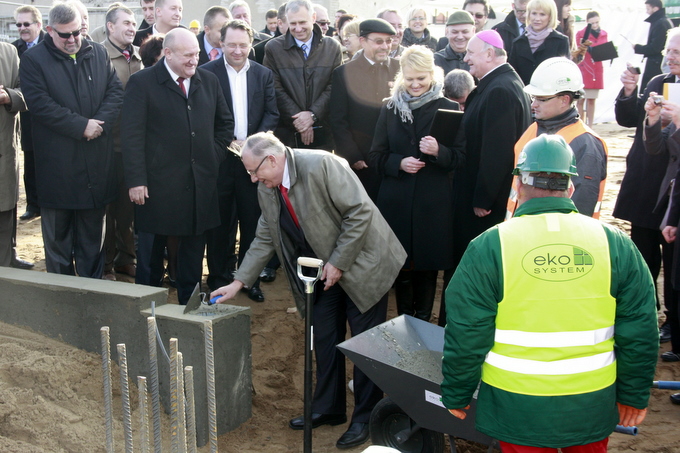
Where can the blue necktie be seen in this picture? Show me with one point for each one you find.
(304, 50)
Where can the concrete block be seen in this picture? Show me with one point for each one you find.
(73, 309)
(233, 361)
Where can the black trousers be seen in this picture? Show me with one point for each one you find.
(239, 210)
(30, 180)
(150, 267)
(7, 236)
(74, 235)
(333, 310)
(120, 215)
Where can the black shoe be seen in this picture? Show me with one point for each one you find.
(665, 333)
(268, 274)
(18, 263)
(255, 293)
(298, 423)
(356, 434)
(670, 356)
(675, 398)
(28, 215)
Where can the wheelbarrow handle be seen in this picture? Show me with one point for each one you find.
(666, 385)
(632, 430)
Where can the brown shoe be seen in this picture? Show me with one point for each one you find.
(128, 269)
(109, 275)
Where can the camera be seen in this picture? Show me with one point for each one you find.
(658, 99)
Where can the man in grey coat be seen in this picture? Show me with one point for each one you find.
(314, 205)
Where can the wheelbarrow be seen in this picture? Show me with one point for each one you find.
(403, 356)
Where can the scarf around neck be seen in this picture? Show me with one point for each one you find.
(404, 104)
(537, 38)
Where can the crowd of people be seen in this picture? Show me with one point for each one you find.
(149, 148)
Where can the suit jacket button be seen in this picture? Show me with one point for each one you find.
(188, 107)
(193, 134)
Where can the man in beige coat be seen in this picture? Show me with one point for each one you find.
(119, 243)
(12, 102)
(314, 205)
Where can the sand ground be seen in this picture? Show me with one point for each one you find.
(51, 397)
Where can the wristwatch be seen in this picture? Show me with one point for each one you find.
(313, 117)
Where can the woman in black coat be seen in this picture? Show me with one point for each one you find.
(540, 41)
(415, 194)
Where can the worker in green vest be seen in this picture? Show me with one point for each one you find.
(555, 313)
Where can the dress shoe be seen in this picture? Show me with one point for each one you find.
(356, 434)
(670, 356)
(665, 333)
(675, 398)
(268, 274)
(109, 275)
(127, 269)
(28, 215)
(298, 423)
(255, 293)
(18, 263)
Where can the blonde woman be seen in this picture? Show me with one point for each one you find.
(540, 41)
(415, 192)
(417, 32)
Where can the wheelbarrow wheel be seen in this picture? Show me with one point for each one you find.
(391, 427)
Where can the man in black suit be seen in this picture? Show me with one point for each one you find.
(178, 128)
(209, 38)
(357, 91)
(257, 54)
(168, 14)
(248, 88)
(271, 17)
(29, 22)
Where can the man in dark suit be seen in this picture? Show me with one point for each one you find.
(513, 25)
(248, 88)
(257, 54)
(497, 112)
(241, 10)
(168, 14)
(148, 10)
(209, 38)
(271, 17)
(178, 128)
(29, 22)
(357, 91)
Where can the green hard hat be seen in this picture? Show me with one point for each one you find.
(547, 154)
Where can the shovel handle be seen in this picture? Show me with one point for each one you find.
(309, 262)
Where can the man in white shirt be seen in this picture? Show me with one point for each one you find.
(168, 15)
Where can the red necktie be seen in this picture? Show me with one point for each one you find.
(126, 53)
(180, 81)
(284, 192)
(213, 54)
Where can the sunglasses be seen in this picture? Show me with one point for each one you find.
(25, 24)
(323, 22)
(67, 35)
(381, 41)
(479, 15)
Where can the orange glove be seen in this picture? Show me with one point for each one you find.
(460, 413)
(630, 416)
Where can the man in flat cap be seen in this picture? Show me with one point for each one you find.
(459, 29)
(357, 91)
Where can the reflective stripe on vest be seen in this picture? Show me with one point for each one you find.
(555, 324)
(569, 133)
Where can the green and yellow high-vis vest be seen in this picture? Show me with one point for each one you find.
(555, 324)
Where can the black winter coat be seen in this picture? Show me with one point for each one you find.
(525, 62)
(174, 146)
(641, 183)
(449, 60)
(508, 30)
(62, 95)
(418, 207)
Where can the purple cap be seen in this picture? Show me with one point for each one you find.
(491, 37)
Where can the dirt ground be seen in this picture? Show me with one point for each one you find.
(51, 393)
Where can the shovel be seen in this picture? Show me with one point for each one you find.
(309, 346)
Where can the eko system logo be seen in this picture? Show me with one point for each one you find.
(557, 262)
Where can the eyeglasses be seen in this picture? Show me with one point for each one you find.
(672, 53)
(350, 35)
(234, 46)
(381, 41)
(254, 172)
(323, 22)
(520, 11)
(25, 24)
(534, 98)
(479, 15)
(419, 18)
(67, 35)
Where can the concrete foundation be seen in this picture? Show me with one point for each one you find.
(73, 309)
(233, 364)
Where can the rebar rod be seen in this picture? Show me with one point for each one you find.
(125, 397)
(190, 409)
(181, 414)
(210, 378)
(143, 415)
(108, 398)
(153, 383)
(174, 392)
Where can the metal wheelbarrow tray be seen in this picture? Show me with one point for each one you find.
(403, 357)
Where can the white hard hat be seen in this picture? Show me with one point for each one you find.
(555, 75)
